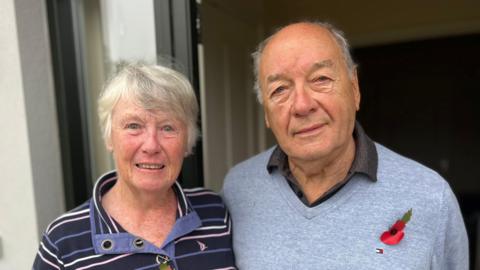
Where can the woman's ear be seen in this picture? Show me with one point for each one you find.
(108, 144)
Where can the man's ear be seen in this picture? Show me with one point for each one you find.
(267, 123)
(356, 89)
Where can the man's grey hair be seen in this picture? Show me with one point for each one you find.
(336, 33)
(152, 87)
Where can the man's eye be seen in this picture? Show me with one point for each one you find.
(132, 126)
(322, 79)
(322, 84)
(277, 91)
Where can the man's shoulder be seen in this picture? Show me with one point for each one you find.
(246, 173)
(391, 161)
(407, 184)
(404, 174)
(253, 165)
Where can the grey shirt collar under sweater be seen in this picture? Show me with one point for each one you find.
(365, 162)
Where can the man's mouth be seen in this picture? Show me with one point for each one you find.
(308, 130)
(150, 166)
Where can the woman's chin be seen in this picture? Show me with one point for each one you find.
(153, 182)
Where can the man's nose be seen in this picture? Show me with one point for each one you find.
(303, 102)
(152, 144)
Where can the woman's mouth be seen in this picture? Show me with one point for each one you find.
(150, 166)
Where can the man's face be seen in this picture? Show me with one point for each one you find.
(309, 98)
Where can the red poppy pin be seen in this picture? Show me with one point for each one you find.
(395, 234)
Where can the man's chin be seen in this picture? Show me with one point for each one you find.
(307, 153)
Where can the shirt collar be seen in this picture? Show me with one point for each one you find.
(365, 161)
(105, 228)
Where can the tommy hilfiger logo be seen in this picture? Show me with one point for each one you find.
(202, 246)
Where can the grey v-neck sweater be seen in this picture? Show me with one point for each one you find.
(273, 229)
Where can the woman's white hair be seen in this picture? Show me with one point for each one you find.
(152, 87)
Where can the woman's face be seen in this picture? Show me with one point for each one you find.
(148, 147)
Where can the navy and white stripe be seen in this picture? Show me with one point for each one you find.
(88, 238)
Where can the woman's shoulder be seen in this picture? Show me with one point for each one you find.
(75, 220)
(202, 196)
(67, 234)
(207, 203)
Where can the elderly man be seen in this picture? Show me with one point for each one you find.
(328, 197)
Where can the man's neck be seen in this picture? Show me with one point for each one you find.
(315, 177)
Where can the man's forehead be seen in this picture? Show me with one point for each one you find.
(322, 64)
(299, 32)
(289, 45)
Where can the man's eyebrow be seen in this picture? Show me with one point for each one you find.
(317, 65)
(322, 64)
(276, 77)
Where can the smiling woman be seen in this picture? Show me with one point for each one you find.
(140, 216)
(148, 120)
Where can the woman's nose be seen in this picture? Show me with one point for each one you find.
(152, 145)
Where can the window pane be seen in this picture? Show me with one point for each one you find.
(110, 32)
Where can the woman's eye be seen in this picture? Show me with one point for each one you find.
(169, 131)
(133, 126)
(168, 128)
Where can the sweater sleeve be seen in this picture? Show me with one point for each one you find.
(47, 256)
(451, 246)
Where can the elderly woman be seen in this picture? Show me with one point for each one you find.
(139, 217)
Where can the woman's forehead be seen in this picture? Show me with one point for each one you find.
(125, 109)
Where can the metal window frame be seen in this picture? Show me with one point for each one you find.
(176, 36)
(70, 101)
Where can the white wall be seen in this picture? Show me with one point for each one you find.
(31, 192)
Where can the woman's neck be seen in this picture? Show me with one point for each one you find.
(150, 216)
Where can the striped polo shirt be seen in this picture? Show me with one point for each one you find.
(89, 238)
